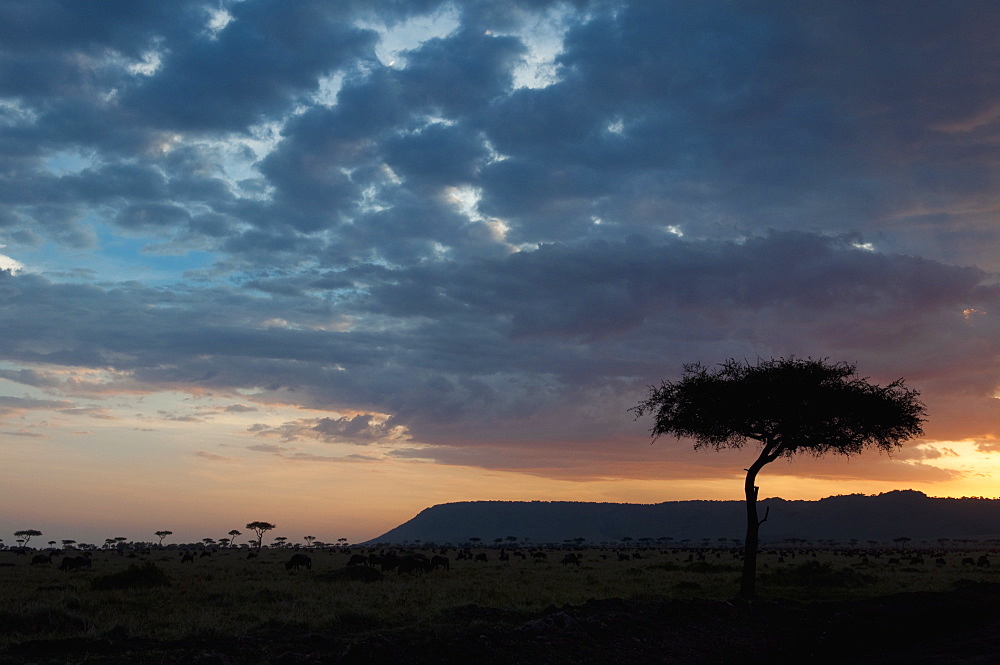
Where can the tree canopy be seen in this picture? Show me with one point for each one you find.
(27, 534)
(788, 405)
(259, 528)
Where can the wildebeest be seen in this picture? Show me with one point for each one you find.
(573, 558)
(298, 560)
(388, 562)
(482, 557)
(357, 560)
(983, 561)
(75, 563)
(414, 563)
(187, 557)
(438, 561)
(41, 558)
(968, 561)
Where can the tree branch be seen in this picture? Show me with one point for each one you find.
(767, 511)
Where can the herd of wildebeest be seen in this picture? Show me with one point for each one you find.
(373, 562)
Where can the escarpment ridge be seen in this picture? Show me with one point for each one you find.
(843, 518)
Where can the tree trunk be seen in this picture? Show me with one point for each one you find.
(748, 581)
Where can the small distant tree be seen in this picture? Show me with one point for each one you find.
(259, 528)
(342, 542)
(68, 543)
(224, 542)
(787, 405)
(25, 535)
(309, 540)
(902, 540)
(163, 534)
(234, 534)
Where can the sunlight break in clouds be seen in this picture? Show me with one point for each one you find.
(7, 263)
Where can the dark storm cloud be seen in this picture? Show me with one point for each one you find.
(693, 181)
(254, 68)
(548, 345)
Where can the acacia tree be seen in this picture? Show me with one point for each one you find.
(234, 533)
(26, 534)
(163, 534)
(259, 528)
(787, 405)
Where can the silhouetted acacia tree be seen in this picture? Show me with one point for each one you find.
(259, 528)
(163, 534)
(788, 405)
(26, 534)
(234, 533)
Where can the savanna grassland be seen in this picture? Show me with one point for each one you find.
(226, 608)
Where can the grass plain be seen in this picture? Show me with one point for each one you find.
(228, 595)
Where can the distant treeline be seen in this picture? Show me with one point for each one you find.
(844, 519)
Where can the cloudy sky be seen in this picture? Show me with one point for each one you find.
(328, 263)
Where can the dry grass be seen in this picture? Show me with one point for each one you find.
(229, 596)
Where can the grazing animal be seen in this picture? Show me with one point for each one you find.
(482, 557)
(187, 557)
(416, 563)
(968, 561)
(940, 561)
(357, 560)
(298, 560)
(983, 562)
(41, 558)
(572, 558)
(539, 555)
(439, 561)
(389, 562)
(622, 556)
(75, 563)
(504, 556)
(251, 555)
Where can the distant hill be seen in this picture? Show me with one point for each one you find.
(881, 517)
